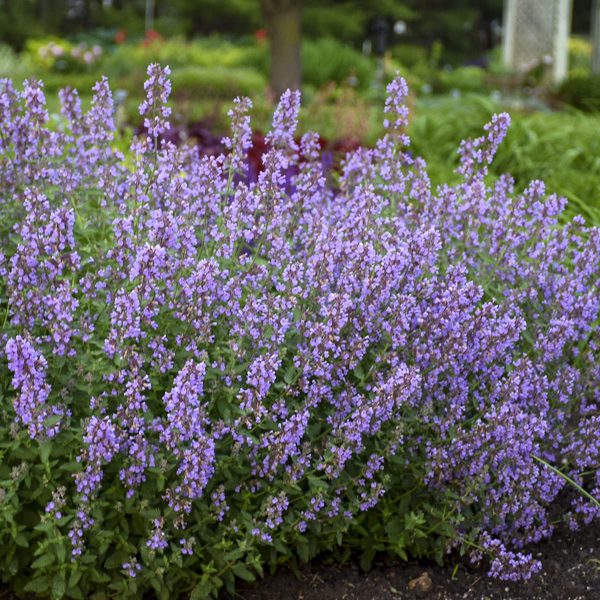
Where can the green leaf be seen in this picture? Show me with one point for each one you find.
(114, 561)
(75, 592)
(339, 538)
(53, 420)
(234, 554)
(254, 562)
(59, 586)
(61, 551)
(413, 520)
(240, 570)
(43, 561)
(41, 490)
(98, 577)
(394, 527)
(400, 551)
(71, 467)
(201, 591)
(317, 483)
(303, 551)
(359, 372)
(230, 584)
(7, 515)
(164, 593)
(39, 585)
(13, 566)
(74, 577)
(45, 450)
(290, 374)
(224, 407)
(177, 559)
(21, 540)
(366, 560)
(45, 526)
(155, 583)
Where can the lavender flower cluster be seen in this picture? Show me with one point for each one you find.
(284, 350)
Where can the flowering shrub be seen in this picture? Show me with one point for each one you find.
(61, 55)
(202, 375)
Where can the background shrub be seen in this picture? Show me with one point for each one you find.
(217, 82)
(461, 79)
(560, 148)
(582, 92)
(327, 60)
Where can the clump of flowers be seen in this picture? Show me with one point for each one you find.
(205, 373)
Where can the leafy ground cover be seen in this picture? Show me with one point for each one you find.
(204, 376)
(571, 572)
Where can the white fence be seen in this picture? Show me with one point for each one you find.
(537, 30)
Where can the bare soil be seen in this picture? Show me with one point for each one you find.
(571, 571)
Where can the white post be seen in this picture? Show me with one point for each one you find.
(508, 33)
(560, 44)
(149, 15)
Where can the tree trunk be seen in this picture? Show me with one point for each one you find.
(283, 20)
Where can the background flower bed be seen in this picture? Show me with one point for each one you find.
(201, 377)
(341, 96)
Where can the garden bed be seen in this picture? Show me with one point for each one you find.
(209, 376)
(571, 571)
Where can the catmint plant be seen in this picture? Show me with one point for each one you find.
(203, 373)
